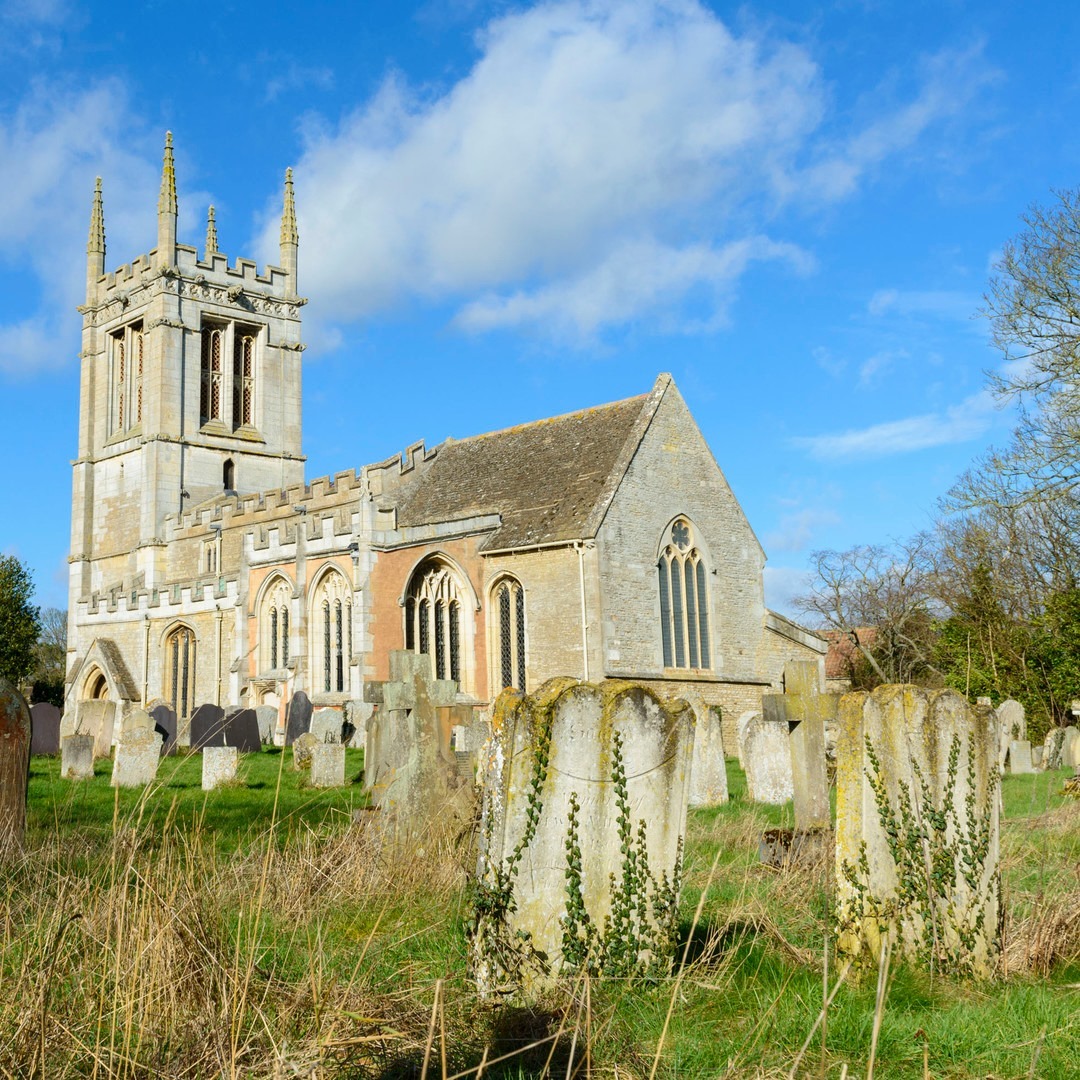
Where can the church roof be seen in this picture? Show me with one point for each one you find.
(550, 481)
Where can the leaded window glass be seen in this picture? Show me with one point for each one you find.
(684, 601)
(180, 670)
(510, 607)
(433, 618)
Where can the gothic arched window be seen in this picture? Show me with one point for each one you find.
(127, 367)
(332, 632)
(684, 600)
(244, 376)
(180, 670)
(213, 348)
(433, 618)
(508, 612)
(274, 625)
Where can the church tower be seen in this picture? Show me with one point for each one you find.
(190, 387)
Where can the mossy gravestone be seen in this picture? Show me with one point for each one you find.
(14, 767)
(585, 799)
(917, 814)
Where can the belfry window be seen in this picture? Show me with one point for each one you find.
(684, 601)
(180, 670)
(213, 347)
(433, 618)
(333, 633)
(126, 347)
(243, 392)
(509, 613)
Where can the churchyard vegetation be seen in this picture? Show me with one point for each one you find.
(19, 621)
(263, 931)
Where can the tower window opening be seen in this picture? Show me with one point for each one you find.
(213, 340)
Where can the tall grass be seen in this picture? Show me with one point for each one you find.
(168, 933)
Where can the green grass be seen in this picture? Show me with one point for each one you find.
(174, 933)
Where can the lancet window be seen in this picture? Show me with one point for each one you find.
(274, 625)
(508, 606)
(243, 376)
(213, 348)
(433, 618)
(684, 600)
(180, 670)
(127, 367)
(333, 637)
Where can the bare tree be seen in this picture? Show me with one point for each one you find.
(883, 600)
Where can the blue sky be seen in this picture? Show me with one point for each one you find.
(509, 210)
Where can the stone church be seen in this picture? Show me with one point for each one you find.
(605, 543)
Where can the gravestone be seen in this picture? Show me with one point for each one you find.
(267, 716)
(326, 725)
(917, 788)
(767, 752)
(1012, 725)
(218, 766)
(585, 799)
(357, 714)
(242, 731)
(302, 748)
(207, 727)
(1052, 748)
(164, 718)
(1070, 748)
(328, 765)
(742, 725)
(1020, 757)
(97, 718)
(299, 717)
(44, 728)
(415, 778)
(1036, 757)
(807, 712)
(77, 757)
(14, 768)
(708, 774)
(137, 757)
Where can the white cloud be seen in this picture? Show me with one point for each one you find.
(796, 529)
(635, 280)
(875, 366)
(782, 585)
(584, 128)
(958, 423)
(939, 303)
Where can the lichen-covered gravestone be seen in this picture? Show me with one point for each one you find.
(218, 766)
(97, 718)
(137, 757)
(416, 781)
(766, 751)
(302, 748)
(326, 725)
(14, 767)
(328, 765)
(585, 799)
(44, 728)
(77, 757)
(1020, 761)
(917, 807)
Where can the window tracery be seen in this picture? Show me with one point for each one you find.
(433, 604)
(333, 609)
(274, 625)
(180, 670)
(684, 600)
(127, 368)
(509, 610)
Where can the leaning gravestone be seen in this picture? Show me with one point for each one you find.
(14, 768)
(357, 714)
(585, 799)
(708, 775)
(242, 731)
(1012, 725)
(164, 718)
(917, 813)
(742, 725)
(44, 728)
(299, 717)
(326, 725)
(1052, 747)
(267, 716)
(98, 718)
(207, 727)
(767, 752)
(77, 757)
(1070, 748)
(137, 757)
(218, 766)
(328, 765)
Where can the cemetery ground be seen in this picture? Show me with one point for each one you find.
(261, 930)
